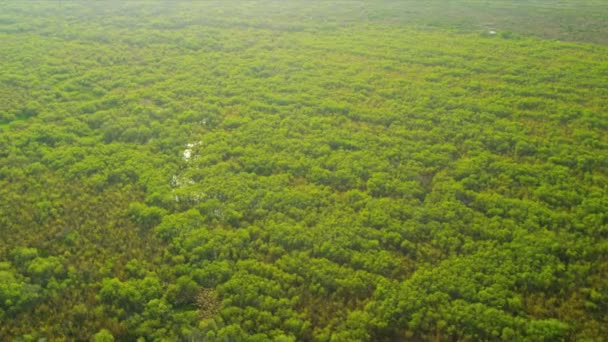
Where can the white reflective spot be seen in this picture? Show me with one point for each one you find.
(492, 32)
(187, 153)
(175, 181)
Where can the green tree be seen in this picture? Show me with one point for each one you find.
(103, 336)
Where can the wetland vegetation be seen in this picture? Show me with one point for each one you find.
(304, 171)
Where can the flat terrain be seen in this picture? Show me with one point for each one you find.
(297, 171)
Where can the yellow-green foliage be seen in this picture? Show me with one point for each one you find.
(304, 171)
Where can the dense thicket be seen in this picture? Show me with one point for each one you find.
(296, 171)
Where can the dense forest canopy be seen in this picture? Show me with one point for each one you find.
(304, 171)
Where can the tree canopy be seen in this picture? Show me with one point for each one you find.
(304, 171)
